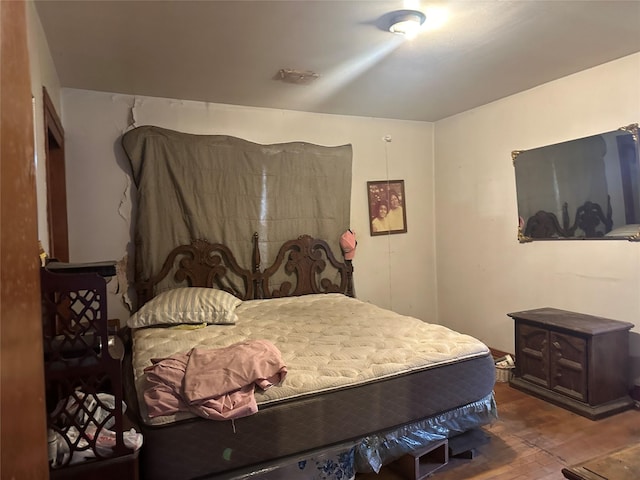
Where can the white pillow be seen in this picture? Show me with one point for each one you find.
(187, 305)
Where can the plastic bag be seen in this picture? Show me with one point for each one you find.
(87, 431)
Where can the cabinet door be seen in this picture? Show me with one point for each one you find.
(533, 351)
(568, 365)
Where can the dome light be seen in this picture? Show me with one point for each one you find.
(406, 22)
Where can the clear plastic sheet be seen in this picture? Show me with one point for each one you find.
(374, 451)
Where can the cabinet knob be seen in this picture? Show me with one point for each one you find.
(556, 345)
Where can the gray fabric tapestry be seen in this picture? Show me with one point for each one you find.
(223, 189)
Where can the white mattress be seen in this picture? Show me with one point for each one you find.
(328, 341)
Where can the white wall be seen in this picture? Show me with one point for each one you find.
(483, 272)
(43, 73)
(396, 271)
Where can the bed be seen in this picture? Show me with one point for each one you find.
(363, 386)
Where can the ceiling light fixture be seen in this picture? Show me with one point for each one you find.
(406, 22)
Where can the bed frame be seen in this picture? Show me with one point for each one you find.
(290, 431)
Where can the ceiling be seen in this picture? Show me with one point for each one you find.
(231, 51)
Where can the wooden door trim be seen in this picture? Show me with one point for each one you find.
(56, 181)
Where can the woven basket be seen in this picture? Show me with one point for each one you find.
(504, 374)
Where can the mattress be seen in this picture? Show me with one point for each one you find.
(328, 342)
(353, 369)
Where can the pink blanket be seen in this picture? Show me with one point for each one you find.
(217, 384)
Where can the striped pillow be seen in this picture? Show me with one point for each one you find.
(187, 305)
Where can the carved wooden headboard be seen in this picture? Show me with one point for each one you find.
(589, 216)
(303, 266)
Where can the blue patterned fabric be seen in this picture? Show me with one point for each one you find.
(340, 466)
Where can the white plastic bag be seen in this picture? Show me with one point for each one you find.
(89, 412)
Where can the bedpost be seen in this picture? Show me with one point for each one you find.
(351, 291)
(255, 259)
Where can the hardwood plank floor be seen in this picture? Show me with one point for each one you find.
(534, 440)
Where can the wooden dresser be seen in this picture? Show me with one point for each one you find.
(577, 361)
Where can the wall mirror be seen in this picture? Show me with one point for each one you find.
(581, 189)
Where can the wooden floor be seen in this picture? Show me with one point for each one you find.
(535, 440)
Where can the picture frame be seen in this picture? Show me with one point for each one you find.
(387, 207)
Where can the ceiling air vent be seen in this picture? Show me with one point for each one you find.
(299, 77)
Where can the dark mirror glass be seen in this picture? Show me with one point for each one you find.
(580, 189)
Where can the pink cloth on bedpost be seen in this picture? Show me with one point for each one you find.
(214, 383)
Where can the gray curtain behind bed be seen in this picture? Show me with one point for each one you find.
(222, 189)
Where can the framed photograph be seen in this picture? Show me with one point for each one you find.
(387, 207)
